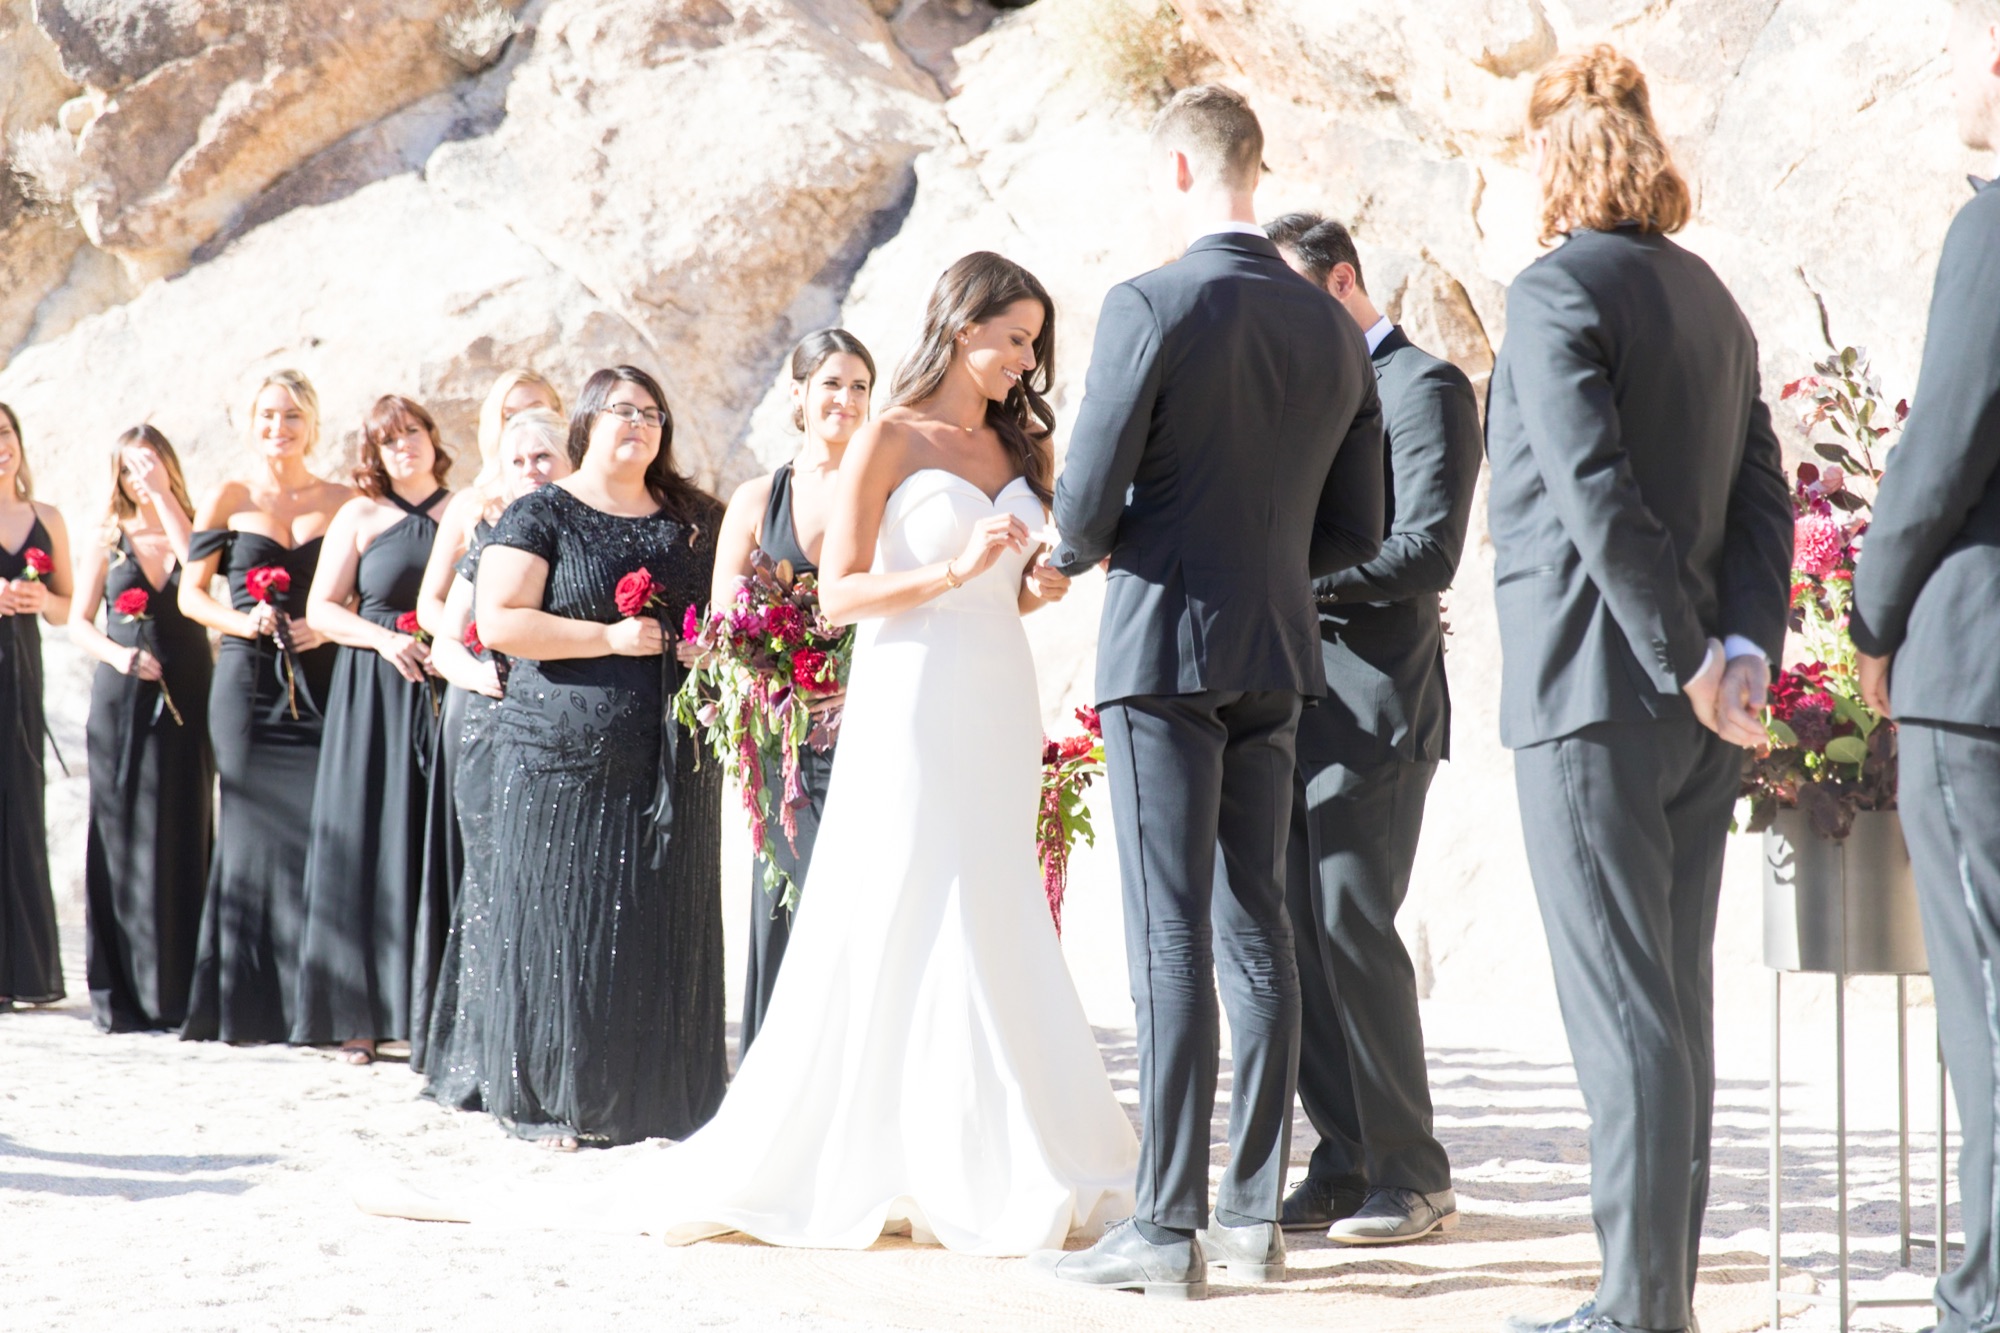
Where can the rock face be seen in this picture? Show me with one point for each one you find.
(359, 188)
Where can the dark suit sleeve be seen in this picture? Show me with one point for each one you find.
(1111, 428)
(1755, 589)
(1347, 528)
(1561, 373)
(1946, 459)
(1433, 450)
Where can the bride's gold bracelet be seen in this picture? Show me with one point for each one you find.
(951, 580)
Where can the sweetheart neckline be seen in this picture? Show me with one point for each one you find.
(992, 501)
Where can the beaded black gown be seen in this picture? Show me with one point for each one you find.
(770, 923)
(152, 784)
(30, 956)
(601, 999)
(267, 760)
(365, 864)
(456, 852)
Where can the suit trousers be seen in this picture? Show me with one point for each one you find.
(1949, 792)
(1192, 774)
(1362, 1076)
(1626, 823)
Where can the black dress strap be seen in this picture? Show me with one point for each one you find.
(779, 534)
(416, 509)
(210, 541)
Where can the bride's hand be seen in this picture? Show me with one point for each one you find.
(635, 636)
(1045, 581)
(990, 537)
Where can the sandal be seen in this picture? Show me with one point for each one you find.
(358, 1053)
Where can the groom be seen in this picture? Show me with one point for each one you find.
(1229, 449)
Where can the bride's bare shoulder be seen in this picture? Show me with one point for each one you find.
(883, 451)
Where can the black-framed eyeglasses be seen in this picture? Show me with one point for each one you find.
(638, 416)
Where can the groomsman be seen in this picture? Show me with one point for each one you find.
(1228, 449)
(1925, 600)
(1642, 526)
(1366, 756)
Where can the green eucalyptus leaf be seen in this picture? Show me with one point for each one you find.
(1847, 750)
(1782, 733)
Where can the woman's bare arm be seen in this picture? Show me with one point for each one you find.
(512, 583)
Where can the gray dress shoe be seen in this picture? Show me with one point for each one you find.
(1124, 1260)
(1394, 1216)
(1585, 1320)
(1316, 1203)
(1254, 1253)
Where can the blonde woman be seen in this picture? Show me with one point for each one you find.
(34, 580)
(1643, 532)
(152, 774)
(271, 676)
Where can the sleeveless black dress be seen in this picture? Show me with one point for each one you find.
(152, 800)
(453, 1043)
(365, 864)
(246, 968)
(601, 999)
(770, 924)
(30, 954)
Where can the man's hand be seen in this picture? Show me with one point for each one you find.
(1704, 688)
(1875, 682)
(1740, 715)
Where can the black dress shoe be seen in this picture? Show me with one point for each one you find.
(1585, 1320)
(1124, 1260)
(1253, 1253)
(1318, 1202)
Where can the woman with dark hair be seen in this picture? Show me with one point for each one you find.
(601, 1005)
(784, 515)
(152, 774)
(364, 864)
(264, 534)
(34, 580)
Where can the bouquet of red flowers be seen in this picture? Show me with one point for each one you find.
(269, 584)
(1068, 768)
(133, 604)
(766, 659)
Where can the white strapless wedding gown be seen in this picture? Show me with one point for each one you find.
(925, 1058)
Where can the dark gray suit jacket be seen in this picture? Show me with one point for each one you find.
(1639, 503)
(1927, 587)
(1229, 447)
(1382, 639)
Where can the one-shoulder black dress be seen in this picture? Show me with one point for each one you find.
(771, 924)
(602, 1009)
(246, 968)
(152, 802)
(30, 954)
(365, 865)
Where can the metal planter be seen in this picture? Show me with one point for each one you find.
(1842, 907)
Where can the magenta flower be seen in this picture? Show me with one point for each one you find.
(1818, 545)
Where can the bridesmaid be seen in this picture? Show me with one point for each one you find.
(533, 452)
(784, 514)
(34, 579)
(364, 865)
(601, 1006)
(152, 774)
(514, 392)
(266, 734)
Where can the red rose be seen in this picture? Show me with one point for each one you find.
(39, 566)
(636, 592)
(808, 665)
(407, 623)
(472, 643)
(267, 583)
(131, 603)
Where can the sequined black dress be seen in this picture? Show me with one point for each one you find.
(152, 803)
(246, 969)
(30, 961)
(365, 864)
(602, 1001)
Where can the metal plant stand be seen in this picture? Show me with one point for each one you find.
(1846, 909)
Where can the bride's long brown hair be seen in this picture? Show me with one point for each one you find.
(973, 290)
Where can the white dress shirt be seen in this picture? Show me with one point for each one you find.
(1375, 335)
(1233, 229)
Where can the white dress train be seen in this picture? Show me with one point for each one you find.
(925, 1057)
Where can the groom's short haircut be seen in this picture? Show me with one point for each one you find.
(1215, 127)
(1316, 244)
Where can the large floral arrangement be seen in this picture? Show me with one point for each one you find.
(1830, 754)
(1068, 768)
(763, 662)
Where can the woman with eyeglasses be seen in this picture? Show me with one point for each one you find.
(602, 1008)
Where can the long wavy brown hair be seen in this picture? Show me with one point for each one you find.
(24, 480)
(973, 290)
(1606, 163)
(122, 505)
(391, 416)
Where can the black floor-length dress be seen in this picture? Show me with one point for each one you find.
(365, 864)
(770, 923)
(30, 953)
(602, 1012)
(449, 1056)
(152, 786)
(246, 968)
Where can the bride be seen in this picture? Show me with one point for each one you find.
(925, 1060)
